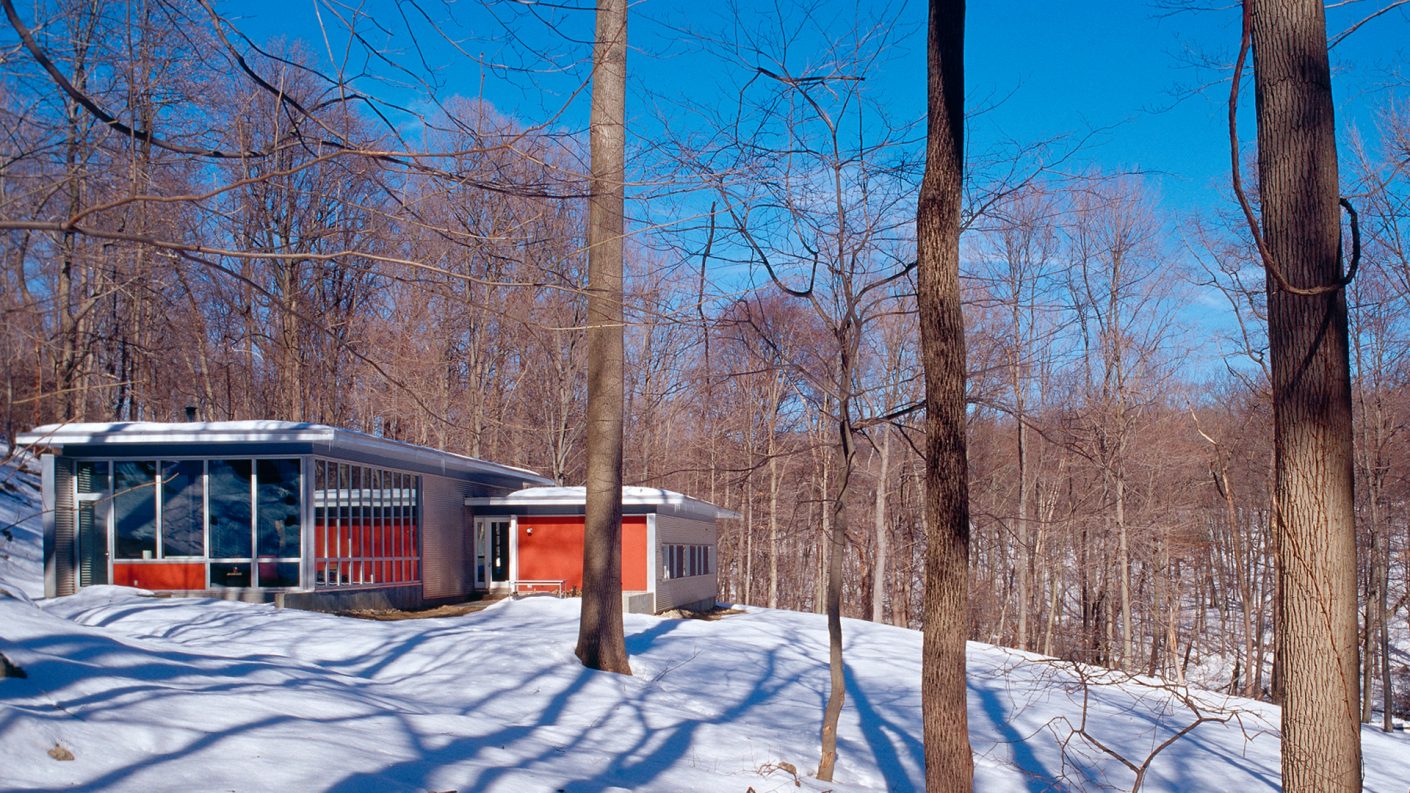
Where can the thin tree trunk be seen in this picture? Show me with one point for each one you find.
(601, 639)
(1387, 687)
(1123, 559)
(773, 517)
(949, 762)
(1025, 547)
(836, 547)
(1314, 507)
(820, 587)
(748, 543)
(883, 542)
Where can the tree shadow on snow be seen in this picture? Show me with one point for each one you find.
(1038, 778)
(550, 734)
(884, 735)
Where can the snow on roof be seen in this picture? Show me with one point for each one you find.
(632, 495)
(332, 439)
(174, 432)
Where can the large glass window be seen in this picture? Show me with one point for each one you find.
(242, 515)
(230, 516)
(183, 510)
(277, 519)
(365, 525)
(135, 509)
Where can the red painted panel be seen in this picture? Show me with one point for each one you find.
(552, 549)
(161, 575)
(634, 559)
(355, 540)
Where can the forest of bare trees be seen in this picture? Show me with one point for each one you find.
(193, 218)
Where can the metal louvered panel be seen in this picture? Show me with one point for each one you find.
(59, 568)
(445, 543)
(91, 521)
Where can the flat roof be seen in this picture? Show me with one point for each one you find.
(320, 438)
(668, 501)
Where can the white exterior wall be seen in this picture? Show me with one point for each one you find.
(674, 593)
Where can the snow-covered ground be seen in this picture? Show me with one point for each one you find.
(21, 571)
(155, 694)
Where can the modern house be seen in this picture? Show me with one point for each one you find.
(668, 543)
(313, 516)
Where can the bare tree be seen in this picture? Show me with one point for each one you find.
(601, 642)
(949, 763)
(1300, 245)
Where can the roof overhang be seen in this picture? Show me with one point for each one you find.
(574, 499)
(318, 438)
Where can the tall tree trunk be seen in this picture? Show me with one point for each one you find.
(949, 763)
(1314, 517)
(883, 542)
(75, 287)
(601, 638)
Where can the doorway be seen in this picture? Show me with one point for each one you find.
(492, 549)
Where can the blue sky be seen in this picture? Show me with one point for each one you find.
(1136, 74)
(1144, 85)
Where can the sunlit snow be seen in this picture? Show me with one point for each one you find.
(158, 694)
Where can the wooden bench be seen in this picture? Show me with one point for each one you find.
(537, 587)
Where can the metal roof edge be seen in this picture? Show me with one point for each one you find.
(147, 432)
(672, 502)
(327, 437)
(447, 461)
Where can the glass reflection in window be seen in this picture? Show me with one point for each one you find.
(277, 519)
(183, 530)
(230, 510)
(135, 509)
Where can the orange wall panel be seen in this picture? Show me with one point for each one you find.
(551, 548)
(634, 556)
(161, 575)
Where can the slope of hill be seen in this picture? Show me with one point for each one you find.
(156, 694)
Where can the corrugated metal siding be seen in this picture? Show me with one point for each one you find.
(92, 538)
(672, 593)
(59, 568)
(445, 538)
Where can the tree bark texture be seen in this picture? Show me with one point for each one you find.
(949, 763)
(601, 639)
(1297, 165)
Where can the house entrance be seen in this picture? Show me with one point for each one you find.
(491, 552)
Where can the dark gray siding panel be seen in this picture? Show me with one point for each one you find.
(104, 451)
(445, 538)
(329, 600)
